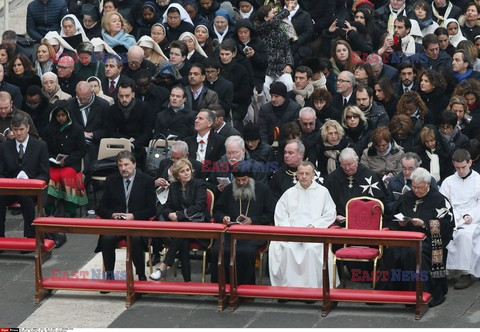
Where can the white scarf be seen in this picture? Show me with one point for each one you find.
(220, 35)
(246, 15)
(434, 164)
(293, 12)
(393, 17)
(441, 19)
(457, 38)
(408, 45)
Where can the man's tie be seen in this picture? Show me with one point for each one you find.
(20, 151)
(111, 88)
(406, 90)
(127, 183)
(345, 102)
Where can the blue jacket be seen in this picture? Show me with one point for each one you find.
(44, 17)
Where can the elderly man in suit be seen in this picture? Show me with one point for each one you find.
(129, 195)
(24, 157)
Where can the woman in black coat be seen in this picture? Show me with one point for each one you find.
(432, 91)
(20, 72)
(356, 128)
(185, 203)
(253, 48)
(435, 154)
(63, 137)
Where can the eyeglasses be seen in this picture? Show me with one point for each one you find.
(311, 124)
(349, 117)
(349, 165)
(173, 18)
(343, 81)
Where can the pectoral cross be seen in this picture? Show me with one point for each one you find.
(350, 181)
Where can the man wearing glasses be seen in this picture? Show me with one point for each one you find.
(67, 79)
(345, 96)
(136, 62)
(310, 128)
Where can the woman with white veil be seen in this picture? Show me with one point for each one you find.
(72, 31)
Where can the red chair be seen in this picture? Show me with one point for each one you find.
(362, 213)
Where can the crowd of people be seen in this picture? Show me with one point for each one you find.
(284, 109)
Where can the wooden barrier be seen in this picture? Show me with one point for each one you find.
(328, 236)
(24, 187)
(128, 229)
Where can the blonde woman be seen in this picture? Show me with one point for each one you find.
(332, 143)
(114, 34)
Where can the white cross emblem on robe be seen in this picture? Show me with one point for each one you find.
(369, 186)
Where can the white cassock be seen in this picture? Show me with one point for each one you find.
(300, 264)
(464, 249)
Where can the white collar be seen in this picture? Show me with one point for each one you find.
(24, 143)
(203, 138)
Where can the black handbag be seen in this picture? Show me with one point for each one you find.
(155, 155)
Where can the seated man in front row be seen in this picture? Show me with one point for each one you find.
(23, 157)
(128, 195)
(247, 202)
(307, 204)
(463, 191)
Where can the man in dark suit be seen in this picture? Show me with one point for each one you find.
(113, 75)
(407, 73)
(206, 145)
(221, 126)
(222, 86)
(154, 95)
(198, 95)
(129, 195)
(90, 112)
(177, 119)
(23, 157)
(131, 118)
(346, 84)
(136, 62)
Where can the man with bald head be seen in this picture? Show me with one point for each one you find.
(90, 112)
(51, 89)
(7, 111)
(67, 79)
(136, 62)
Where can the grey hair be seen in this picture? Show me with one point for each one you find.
(350, 77)
(48, 74)
(305, 111)
(180, 146)
(421, 174)
(235, 139)
(134, 49)
(307, 163)
(210, 115)
(300, 145)
(375, 60)
(348, 153)
(414, 156)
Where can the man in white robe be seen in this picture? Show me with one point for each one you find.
(307, 204)
(463, 191)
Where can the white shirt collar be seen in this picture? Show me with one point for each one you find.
(25, 143)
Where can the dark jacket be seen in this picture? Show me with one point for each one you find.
(23, 82)
(360, 136)
(258, 61)
(170, 123)
(141, 202)
(389, 72)
(323, 159)
(383, 13)
(302, 22)
(44, 17)
(186, 206)
(228, 131)
(263, 153)
(215, 147)
(69, 140)
(377, 117)
(146, 64)
(174, 33)
(271, 117)
(436, 102)
(69, 84)
(14, 92)
(155, 97)
(96, 120)
(224, 90)
(137, 125)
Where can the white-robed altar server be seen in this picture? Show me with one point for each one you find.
(463, 191)
(307, 204)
